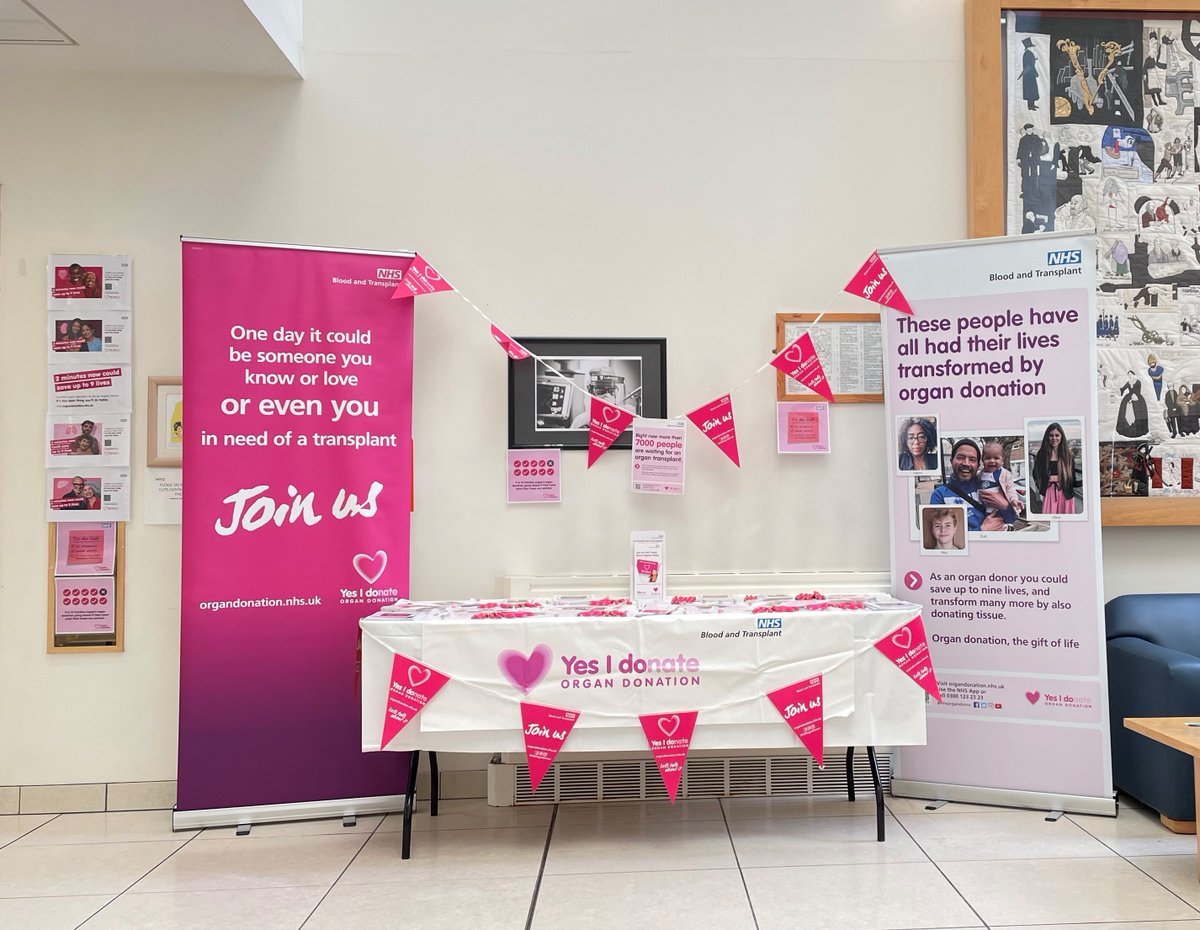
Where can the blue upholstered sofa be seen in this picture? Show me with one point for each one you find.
(1153, 671)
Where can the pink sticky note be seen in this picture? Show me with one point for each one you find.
(875, 283)
(908, 648)
(715, 420)
(606, 424)
(546, 729)
(800, 705)
(534, 476)
(669, 736)
(413, 686)
(800, 362)
(420, 278)
(508, 344)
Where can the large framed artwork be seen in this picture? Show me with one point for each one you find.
(1082, 116)
(545, 411)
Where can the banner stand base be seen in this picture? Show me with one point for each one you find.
(340, 808)
(1004, 797)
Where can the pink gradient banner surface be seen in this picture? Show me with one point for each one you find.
(298, 366)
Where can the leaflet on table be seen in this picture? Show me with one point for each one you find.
(87, 494)
(656, 466)
(85, 605)
(86, 437)
(95, 337)
(86, 549)
(89, 391)
(648, 566)
(84, 283)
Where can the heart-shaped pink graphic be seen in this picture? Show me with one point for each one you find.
(418, 676)
(611, 414)
(370, 567)
(903, 639)
(793, 355)
(525, 671)
(669, 724)
(1033, 696)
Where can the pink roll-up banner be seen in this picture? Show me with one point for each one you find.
(298, 368)
(993, 471)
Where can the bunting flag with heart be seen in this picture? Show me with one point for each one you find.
(421, 278)
(800, 362)
(909, 650)
(546, 729)
(413, 686)
(874, 282)
(715, 420)
(514, 349)
(800, 705)
(669, 736)
(606, 424)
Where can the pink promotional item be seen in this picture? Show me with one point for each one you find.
(875, 283)
(421, 278)
(800, 705)
(800, 362)
(669, 736)
(514, 349)
(715, 420)
(546, 729)
(606, 424)
(413, 686)
(908, 648)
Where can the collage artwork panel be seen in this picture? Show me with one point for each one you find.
(1102, 135)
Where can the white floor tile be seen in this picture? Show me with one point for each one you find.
(819, 841)
(14, 826)
(1009, 835)
(267, 862)
(90, 869)
(582, 848)
(1050, 891)
(498, 903)
(127, 827)
(58, 913)
(514, 852)
(1137, 832)
(244, 909)
(649, 812)
(771, 808)
(881, 896)
(708, 899)
(325, 827)
(1178, 873)
(473, 814)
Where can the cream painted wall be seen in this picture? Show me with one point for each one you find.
(677, 169)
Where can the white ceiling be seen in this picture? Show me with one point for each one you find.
(222, 36)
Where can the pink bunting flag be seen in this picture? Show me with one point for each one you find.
(606, 424)
(800, 705)
(908, 648)
(715, 420)
(669, 736)
(875, 283)
(546, 729)
(421, 278)
(413, 686)
(800, 362)
(514, 349)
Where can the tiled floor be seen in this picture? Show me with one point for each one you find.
(741, 863)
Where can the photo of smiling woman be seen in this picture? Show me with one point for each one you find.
(918, 442)
(944, 530)
(1055, 450)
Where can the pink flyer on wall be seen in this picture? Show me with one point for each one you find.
(86, 494)
(802, 427)
(89, 339)
(298, 366)
(89, 282)
(108, 388)
(657, 464)
(534, 476)
(102, 438)
(86, 549)
(85, 605)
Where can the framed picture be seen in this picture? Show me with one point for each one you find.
(851, 349)
(164, 422)
(548, 403)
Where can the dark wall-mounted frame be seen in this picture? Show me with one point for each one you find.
(544, 412)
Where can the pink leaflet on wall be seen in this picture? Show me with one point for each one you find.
(800, 362)
(546, 729)
(606, 424)
(421, 278)
(669, 736)
(800, 705)
(875, 283)
(908, 648)
(715, 420)
(413, 686)
(514, 349)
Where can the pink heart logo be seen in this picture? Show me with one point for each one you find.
(903, 639)
(669, 724)
(793, 355)
(1033, 696)
(370, 567)
(415, 676)
(611, 414)
(525, 671)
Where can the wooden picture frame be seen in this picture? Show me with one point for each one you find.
(164, 421)
(866, 327)
(58, 578)
(986, 174)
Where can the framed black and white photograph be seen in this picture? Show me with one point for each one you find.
(548, 403)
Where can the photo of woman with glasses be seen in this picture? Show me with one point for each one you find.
(918, 445)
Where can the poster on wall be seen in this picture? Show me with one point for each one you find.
(107, 388)
(86, 493)
(298, 367)
(89, 282)
(89, 339)
(994, 479)
(97, 437)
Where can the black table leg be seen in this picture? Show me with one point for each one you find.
(409, 798)
(850, 772)
(434, 787)
(879, 809)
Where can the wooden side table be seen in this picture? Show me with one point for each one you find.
(1182, 733)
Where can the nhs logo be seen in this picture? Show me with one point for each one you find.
(769, 623)
(1064, 257)
(388, 274)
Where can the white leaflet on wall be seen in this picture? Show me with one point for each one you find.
(86, 439)
(87, 493)
(163, 500)
(103, 389)
(88, 338)
(86, 283)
